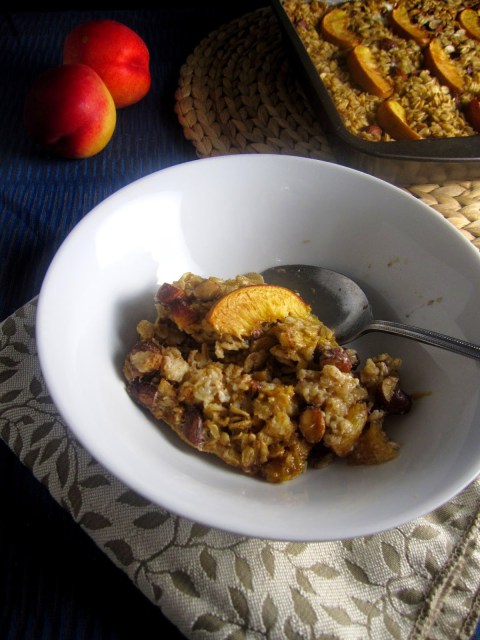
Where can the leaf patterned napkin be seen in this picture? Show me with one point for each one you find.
(418, 581)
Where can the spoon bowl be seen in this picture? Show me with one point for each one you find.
(343, 306)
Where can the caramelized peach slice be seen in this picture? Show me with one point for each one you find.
(364, 71)
(373, 447)
(242, 311)
(442, 67)
(404, 27)
(392, 118)
(470, 21)
(335, 29)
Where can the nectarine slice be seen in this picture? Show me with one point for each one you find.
(335, 29)
(440, 64)
(243, 311)
(392, 118)
(364, 71)
(400, 21)
(470, 21)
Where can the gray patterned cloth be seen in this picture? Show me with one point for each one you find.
(418, 581)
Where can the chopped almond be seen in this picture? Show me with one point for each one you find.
(174, 298)
(335, 29)
(470, 21)
(392, 118)
(443, 68)
(400, 21)
(243, 311)
(312, 424)
(364, 72)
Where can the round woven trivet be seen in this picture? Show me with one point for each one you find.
(237, 93)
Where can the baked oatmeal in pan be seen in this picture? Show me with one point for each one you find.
(400, 70)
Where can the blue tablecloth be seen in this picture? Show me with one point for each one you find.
(54, 582)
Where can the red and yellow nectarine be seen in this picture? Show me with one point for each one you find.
(117, 53)
(69, 111)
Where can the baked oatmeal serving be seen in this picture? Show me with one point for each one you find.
(243, 370)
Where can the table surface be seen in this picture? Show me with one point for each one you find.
(54, 582)
(47, 562)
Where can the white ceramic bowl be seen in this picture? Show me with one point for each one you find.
(230, 215)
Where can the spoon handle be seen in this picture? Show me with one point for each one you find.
(425, 335)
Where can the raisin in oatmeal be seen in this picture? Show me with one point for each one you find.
(271, 402)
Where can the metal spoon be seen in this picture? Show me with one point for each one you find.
(343, 306)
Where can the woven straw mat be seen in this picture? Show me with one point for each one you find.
(237, 94)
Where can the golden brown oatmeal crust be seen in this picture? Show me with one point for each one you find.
(269, 403)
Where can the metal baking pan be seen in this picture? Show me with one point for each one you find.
(400, 162)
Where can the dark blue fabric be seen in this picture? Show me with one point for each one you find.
(55, 584)
(43, 197)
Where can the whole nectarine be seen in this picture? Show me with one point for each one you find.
(70, 111)
(117, 53)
